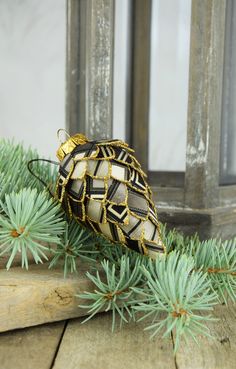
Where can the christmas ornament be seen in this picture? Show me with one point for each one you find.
(102, 185)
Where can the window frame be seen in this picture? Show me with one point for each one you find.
(198, 187)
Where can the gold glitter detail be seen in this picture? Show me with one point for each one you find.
(146, 192)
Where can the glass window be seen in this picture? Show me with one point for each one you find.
(121, 69)
(170, 45)
(228, 134)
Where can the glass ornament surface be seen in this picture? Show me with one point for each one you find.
(102, 185)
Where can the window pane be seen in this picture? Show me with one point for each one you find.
(228, 135)
(121, 65)
(170, 45)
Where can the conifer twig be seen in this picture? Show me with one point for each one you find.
(113, 289)
(75, 243)
(189, 280)
(14, 174)
(29, 219)
(214, 256)
(173, 287)
(218, 259)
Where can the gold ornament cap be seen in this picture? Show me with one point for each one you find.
(68, 146)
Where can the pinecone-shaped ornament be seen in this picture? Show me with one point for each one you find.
(102, 185)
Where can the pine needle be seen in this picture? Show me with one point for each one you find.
(14, 174)
(113, 289)
(75, 243)
(29, 221)
(177, 290)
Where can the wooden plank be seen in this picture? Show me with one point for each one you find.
(90, 45)
(208, 223)
(219, 353)
(227, 195)
(166, 179)
(92, 345)
(40, 295)
(204, 103)
(73, 72)
(29, 348)
(140, 80)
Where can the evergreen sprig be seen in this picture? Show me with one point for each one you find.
(176, 289)
(113, 289)
(169, 285)
(218, 260)
(214, 256)
(28, 219)
(175, 240)
(113, 252)
(75, 243)
(14, 174)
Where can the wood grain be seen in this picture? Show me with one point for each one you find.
(40, 295)
(90, 40)
(140, 76)
(92, 345)
(47, 296)
(212, 354)
(29, 348)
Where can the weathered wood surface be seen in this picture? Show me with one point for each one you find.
(204, 103)
(90, 40)
(208, 223)
(219, 353)
(40, 295)
(29, 348)
(92, 345)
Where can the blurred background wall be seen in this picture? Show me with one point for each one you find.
(32, 71)
(32, 75)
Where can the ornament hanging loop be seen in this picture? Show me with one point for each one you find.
(29, 164)
(59, 134)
